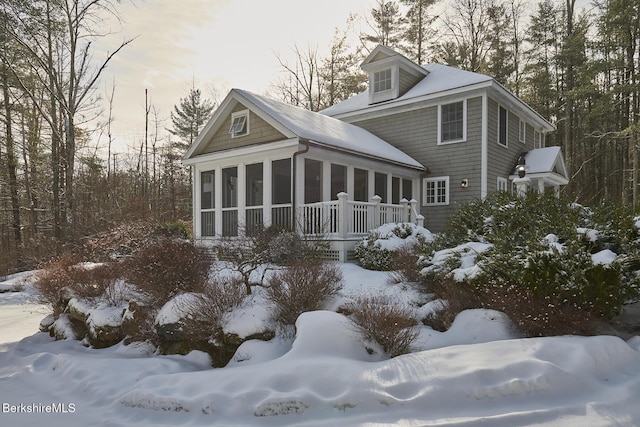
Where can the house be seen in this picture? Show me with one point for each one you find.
(420, 142)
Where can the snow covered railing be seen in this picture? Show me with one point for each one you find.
(346, 218)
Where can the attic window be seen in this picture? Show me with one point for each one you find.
(382, 80)
(239, 124)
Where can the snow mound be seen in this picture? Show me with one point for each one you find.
(325, 334)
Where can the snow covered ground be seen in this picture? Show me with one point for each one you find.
(477, 373)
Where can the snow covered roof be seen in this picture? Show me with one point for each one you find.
(441, 78)
(323, 130)
(546, 163)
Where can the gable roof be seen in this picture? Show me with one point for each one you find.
(298, 122)
(546, 163)
(385, 54)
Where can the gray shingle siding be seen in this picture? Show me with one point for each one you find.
(502, 160)
(415, 133)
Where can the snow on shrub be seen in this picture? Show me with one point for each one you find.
(375, 251)
(548, 263)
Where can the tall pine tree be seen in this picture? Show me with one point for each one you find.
(188, 118)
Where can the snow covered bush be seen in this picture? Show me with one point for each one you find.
(248, 253)
(386, 322)
(65, 277)
(540, 261)
(204, 312)
(376, 250)
(300, 288)
(166, 268)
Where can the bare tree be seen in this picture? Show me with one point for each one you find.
(59, 53)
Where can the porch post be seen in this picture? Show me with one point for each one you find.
(406, 211)
(376, 212)
(241, 192)
(343, 222)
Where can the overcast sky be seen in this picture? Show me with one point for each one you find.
(218, 44)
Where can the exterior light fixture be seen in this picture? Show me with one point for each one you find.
(464, 183)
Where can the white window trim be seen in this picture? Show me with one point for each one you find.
(522, 130)
(388, 94)
(506, 139)
(464, 123)
(236, 115)
(502, 184)
(538, 143)
(424, 190)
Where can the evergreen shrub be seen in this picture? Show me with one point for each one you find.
(379, 249)
(539, 269)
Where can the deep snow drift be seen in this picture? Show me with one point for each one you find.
(477, 373)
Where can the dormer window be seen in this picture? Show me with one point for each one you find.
(239, 124)
(391, 74)
(382, 80)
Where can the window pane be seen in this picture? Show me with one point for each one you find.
(207, 199)
(281, 181)
(436, 191)
(360, 185)
(382, 80)
(502, 127)
(338, 180)
(380, 184)
(230, 187)
(452, 121)
(254, 184)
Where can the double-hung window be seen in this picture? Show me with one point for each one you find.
(522, 131)
(436, 191)
(537, 139)
(452, 122)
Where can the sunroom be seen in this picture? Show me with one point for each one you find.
(301, 171)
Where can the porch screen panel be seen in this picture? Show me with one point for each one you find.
(230, 187)
(312, 181)
(338, 180)
(254, 184)
(281, 181)
(381, 186)
(281, 211)
(230, 201)
(407, 189)
(207, 203)
(360, 185)
(395, 190)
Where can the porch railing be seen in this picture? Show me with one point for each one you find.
(346, 218)
(340, 218)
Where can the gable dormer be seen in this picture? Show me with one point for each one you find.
(391, 74)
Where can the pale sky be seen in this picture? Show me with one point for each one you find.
(219, 44)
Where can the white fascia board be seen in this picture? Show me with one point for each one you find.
(548, 177)
(242, 151)
(517, 104)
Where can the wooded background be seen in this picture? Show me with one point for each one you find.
(579, 70)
